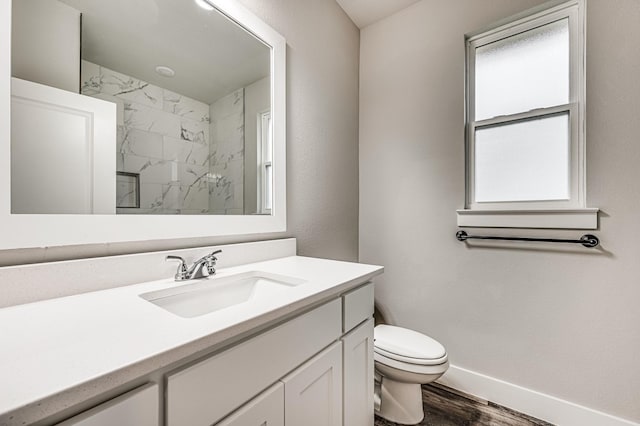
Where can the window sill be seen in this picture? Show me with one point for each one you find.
(586, 218)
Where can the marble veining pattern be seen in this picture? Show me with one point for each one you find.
(194, 131)
(185, 107)
(162, 135)
(185, 152)
(152, 120)
(137, 142)
(226, 159)
(97, 79)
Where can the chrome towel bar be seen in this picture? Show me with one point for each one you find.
(587, 240)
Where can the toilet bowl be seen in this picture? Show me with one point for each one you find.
(404, 360)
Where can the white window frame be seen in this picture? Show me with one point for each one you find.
(265, 160)
(569, 213)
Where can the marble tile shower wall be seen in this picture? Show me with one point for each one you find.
(163, 136)
(227, 154)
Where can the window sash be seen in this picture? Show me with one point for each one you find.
(575, 107)
(516, 118)
(265, 156)
(267, 193)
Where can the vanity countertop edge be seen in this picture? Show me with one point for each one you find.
(60, 352)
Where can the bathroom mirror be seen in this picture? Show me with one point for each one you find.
(192, 109)
(125, 121)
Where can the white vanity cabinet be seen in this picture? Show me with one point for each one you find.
(311, 369)
(317, 369)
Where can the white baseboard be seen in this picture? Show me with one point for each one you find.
(527, 401)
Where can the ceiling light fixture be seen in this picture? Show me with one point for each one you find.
(165, 71)
(204, 4)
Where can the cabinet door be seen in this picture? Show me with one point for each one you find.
(313, 392)
(140, 407)
(267, 409)
(206, 392)
(358, 375)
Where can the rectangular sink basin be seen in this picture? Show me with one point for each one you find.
(212, 294)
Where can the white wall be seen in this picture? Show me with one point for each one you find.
(559, 320)
(43, 53)
(322, 139)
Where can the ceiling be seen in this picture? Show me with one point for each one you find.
(366, 12)
(211, 55)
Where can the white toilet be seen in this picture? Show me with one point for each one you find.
(404, 360)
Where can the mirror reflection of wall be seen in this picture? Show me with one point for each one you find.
(188, 85)
(256, 105)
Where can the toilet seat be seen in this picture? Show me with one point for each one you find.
(410, 360)
(406, 367)
(407, 346)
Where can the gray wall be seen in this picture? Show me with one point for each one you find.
(559, 320)
(322, 139)
(322, 114)
(42, 52)
(256, 100)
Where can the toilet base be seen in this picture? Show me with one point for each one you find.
(401, 402)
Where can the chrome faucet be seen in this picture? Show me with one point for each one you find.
(201, 268)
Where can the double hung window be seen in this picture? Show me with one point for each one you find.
(525, 122)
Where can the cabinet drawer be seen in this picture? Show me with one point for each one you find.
(206, 392)
(139, 407)
(358, 306)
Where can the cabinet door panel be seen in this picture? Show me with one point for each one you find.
(267, 409)
(208, 391)
(358, 375)
(313, 392)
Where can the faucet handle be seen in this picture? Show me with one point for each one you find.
(181, 273)
(211, 262)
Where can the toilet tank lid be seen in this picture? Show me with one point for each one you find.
(408, 343)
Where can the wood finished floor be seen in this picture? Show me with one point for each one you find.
(444, 408)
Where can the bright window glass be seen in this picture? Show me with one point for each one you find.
(523, 161)
(523, 72)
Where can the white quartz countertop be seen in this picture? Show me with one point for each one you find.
(52, 346)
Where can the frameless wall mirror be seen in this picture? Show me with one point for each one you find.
(137, 120)
(143, 107)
